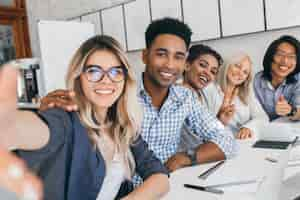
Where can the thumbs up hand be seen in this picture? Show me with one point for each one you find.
(282, 107)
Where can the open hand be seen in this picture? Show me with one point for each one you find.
(15, 177)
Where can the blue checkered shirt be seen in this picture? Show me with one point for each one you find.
(268, 95)
(161, 128)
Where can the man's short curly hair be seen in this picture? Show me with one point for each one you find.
(168, 26)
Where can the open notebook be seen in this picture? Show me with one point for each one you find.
(276, 136)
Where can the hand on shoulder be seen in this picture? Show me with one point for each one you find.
(59, 99)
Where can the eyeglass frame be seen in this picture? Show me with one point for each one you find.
(106, 72)
(290, 57)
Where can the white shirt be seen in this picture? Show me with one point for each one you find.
(115, 175)
(250, 116)
(115, 168)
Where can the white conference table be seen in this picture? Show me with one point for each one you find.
(291, 181)
(275, 180)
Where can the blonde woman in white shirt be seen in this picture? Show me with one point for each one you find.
(232, 99)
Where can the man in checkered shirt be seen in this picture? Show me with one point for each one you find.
(168, 106)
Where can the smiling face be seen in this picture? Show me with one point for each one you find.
(104, 93)
(202, 71)
(165, 60)
(284, 61)
(239, 72)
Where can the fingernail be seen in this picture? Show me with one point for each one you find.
(15, 171)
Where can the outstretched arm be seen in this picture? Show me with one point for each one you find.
(20, 129)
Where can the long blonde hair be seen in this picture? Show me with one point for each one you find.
(244, 88)
(124, 115)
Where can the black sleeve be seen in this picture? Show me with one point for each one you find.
(147, 163)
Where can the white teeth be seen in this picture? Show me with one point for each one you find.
(166, 74)
(104, 91)
(283, 68)
(204, 79)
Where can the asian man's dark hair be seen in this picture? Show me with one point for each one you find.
(168, 26)
(199, 49)
(270, 53)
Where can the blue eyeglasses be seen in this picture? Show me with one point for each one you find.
(95, 73)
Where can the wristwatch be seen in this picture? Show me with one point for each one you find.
(192, 155)
(293, 111)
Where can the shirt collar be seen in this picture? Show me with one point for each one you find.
(141, 89)
(266, 84)
(173, 93)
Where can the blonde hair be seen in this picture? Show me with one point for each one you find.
(124, 115)
(244, 88)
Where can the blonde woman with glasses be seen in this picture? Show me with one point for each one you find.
(232, 99)
(92, 153)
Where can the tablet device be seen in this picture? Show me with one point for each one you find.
(268, 144)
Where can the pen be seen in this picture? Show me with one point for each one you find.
(208, 172)
(205, 189)
(273, 160)
(232, 183)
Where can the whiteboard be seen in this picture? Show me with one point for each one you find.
(58, 42)
(282, 14)
(113, 24)
(93, 18)
(137, 18)
(203, 18)
(242, 16)
(166, 8)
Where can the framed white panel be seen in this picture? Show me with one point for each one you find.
(58, 42)
(93, 18)
(203, 18)
(282, 14)
(166, 8)
(113, 24)
(137, 18)
(241, 16)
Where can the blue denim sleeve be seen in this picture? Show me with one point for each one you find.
(146, 162)
(296, 96)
